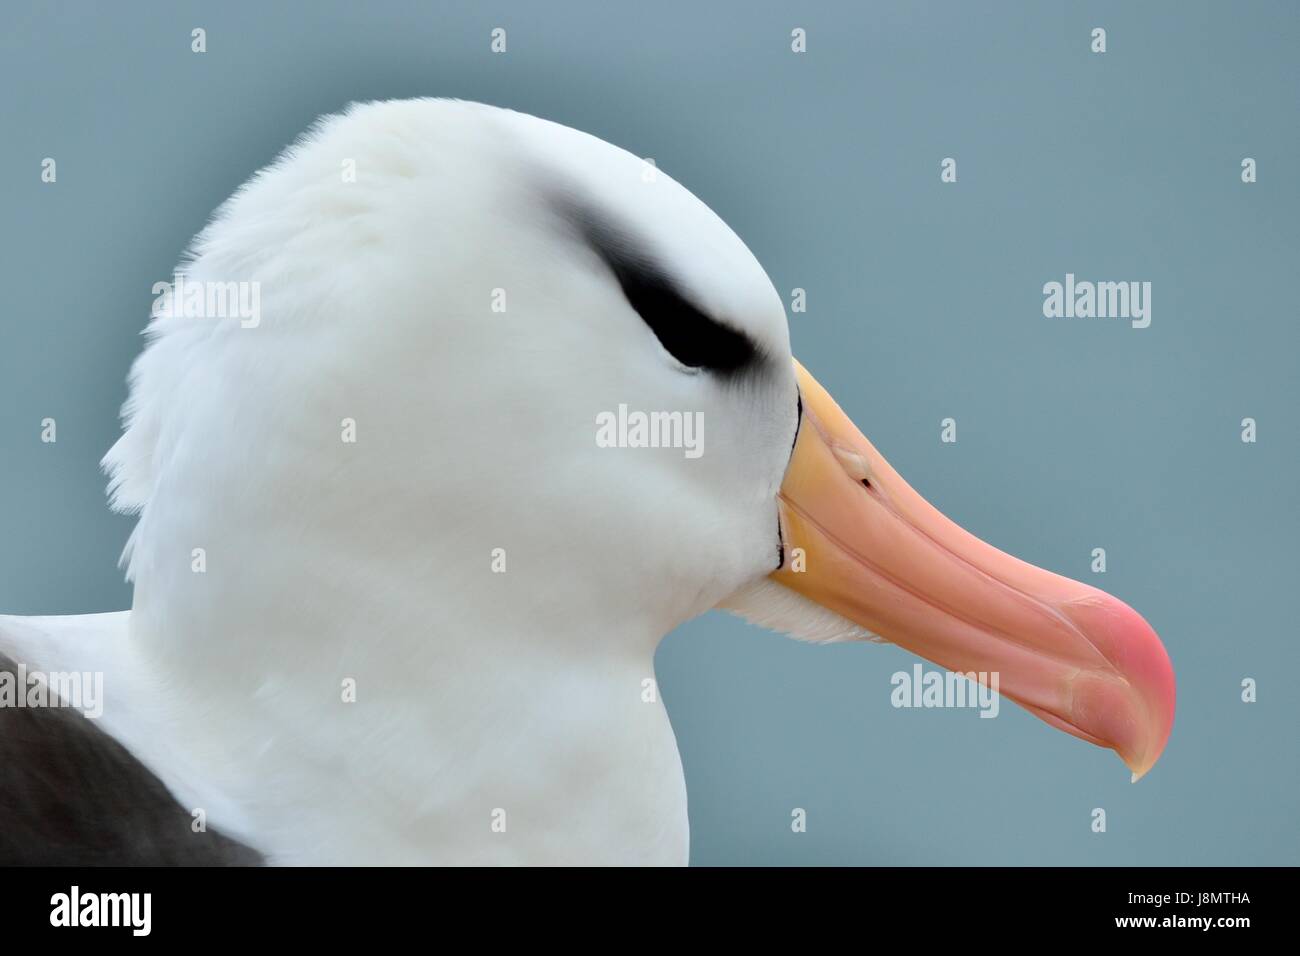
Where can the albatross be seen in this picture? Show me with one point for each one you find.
(394, 601)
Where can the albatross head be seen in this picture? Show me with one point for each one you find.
(432, 451)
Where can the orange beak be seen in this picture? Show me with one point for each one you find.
(860, 542)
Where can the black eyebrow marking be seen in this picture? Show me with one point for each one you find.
(694, 338)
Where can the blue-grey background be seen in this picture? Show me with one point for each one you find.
(924, 302)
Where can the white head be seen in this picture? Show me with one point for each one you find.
(465, 301)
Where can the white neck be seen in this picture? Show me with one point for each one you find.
(369, 734)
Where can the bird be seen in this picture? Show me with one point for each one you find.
(512, 405)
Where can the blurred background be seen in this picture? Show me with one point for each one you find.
(924, 302)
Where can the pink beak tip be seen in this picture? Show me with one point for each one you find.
(1139, 720)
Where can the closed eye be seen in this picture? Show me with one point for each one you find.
(691, 336)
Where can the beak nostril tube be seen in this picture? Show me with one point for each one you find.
(854, 463)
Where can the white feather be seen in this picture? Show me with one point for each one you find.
(768, 604)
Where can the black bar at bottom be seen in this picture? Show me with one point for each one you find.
(332, 905)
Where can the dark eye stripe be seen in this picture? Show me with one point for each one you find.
(690, 335)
